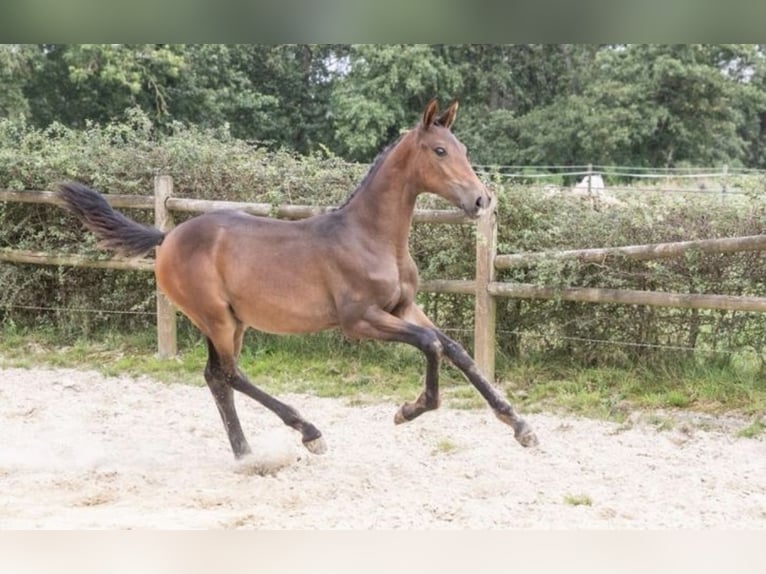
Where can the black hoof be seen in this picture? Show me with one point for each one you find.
(526, 436)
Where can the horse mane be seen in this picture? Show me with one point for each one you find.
(371, 172)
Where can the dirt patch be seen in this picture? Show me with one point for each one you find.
(80, 450)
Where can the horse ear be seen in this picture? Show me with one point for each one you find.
(430, 112)
(448, 117)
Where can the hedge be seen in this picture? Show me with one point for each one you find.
(124, 156)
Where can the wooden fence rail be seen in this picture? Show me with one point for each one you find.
(638, 252)
(484, 287)
(163, 203)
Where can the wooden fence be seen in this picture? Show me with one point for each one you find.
(484, 287)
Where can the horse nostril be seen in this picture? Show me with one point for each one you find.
(482, 201)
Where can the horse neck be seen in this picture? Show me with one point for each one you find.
(385, 203)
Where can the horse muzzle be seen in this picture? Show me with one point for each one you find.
(483, 203)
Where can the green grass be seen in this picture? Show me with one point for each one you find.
(327, 365)
(322, 364)
(753, 430)
(661, 423)
(578, 500)
(612, 393)
(445, 446)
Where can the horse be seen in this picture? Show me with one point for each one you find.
(348, 269)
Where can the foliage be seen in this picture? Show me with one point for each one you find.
(579, 329)
(326, 365)
(543, 104)
(278, 124)
(123, 156)
(382, 88)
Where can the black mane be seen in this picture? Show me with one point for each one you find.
(371, 172)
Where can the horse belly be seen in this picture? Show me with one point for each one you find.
(284, 310)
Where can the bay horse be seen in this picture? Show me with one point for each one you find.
(349, 268)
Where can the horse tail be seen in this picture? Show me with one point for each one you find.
(113, 230)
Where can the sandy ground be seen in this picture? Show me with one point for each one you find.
(83, 451)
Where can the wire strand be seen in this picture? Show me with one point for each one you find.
(79, 310)
(603, 341)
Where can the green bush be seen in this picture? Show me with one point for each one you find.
(124, 156)
(532, 221)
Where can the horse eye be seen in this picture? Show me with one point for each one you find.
(440, 151)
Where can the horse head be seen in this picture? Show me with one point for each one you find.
(443, 167)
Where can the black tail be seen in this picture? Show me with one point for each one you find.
(114, 231)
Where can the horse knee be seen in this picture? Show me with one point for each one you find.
(431, 346)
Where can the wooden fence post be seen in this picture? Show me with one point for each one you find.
(485, 309)
(166, 314)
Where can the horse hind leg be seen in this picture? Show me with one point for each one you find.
(224, 400)
(226, 341)
(311, 437)
(455, 353)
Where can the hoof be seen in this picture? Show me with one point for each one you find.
(399, 417)
(526, 436)
(316, 446)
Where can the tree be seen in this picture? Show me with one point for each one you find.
(383, 90)
(520, 104)
(649, 105)
(691, 102)
(78, 82)
(16, 67)
(504, 83)
(276, 95)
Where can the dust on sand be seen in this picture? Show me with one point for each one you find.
(80, 450)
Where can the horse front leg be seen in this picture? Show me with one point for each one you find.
(458, 356)
(503, 410)
(375, 323)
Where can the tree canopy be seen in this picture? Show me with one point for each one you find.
(658, 105)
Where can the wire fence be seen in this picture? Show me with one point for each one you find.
(734, 180)
(553, 169)
(80, 310)
(448, 330)
(603, 179)
(550, 172)
(594, 341)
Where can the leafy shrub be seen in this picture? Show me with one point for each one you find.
(124, 156)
